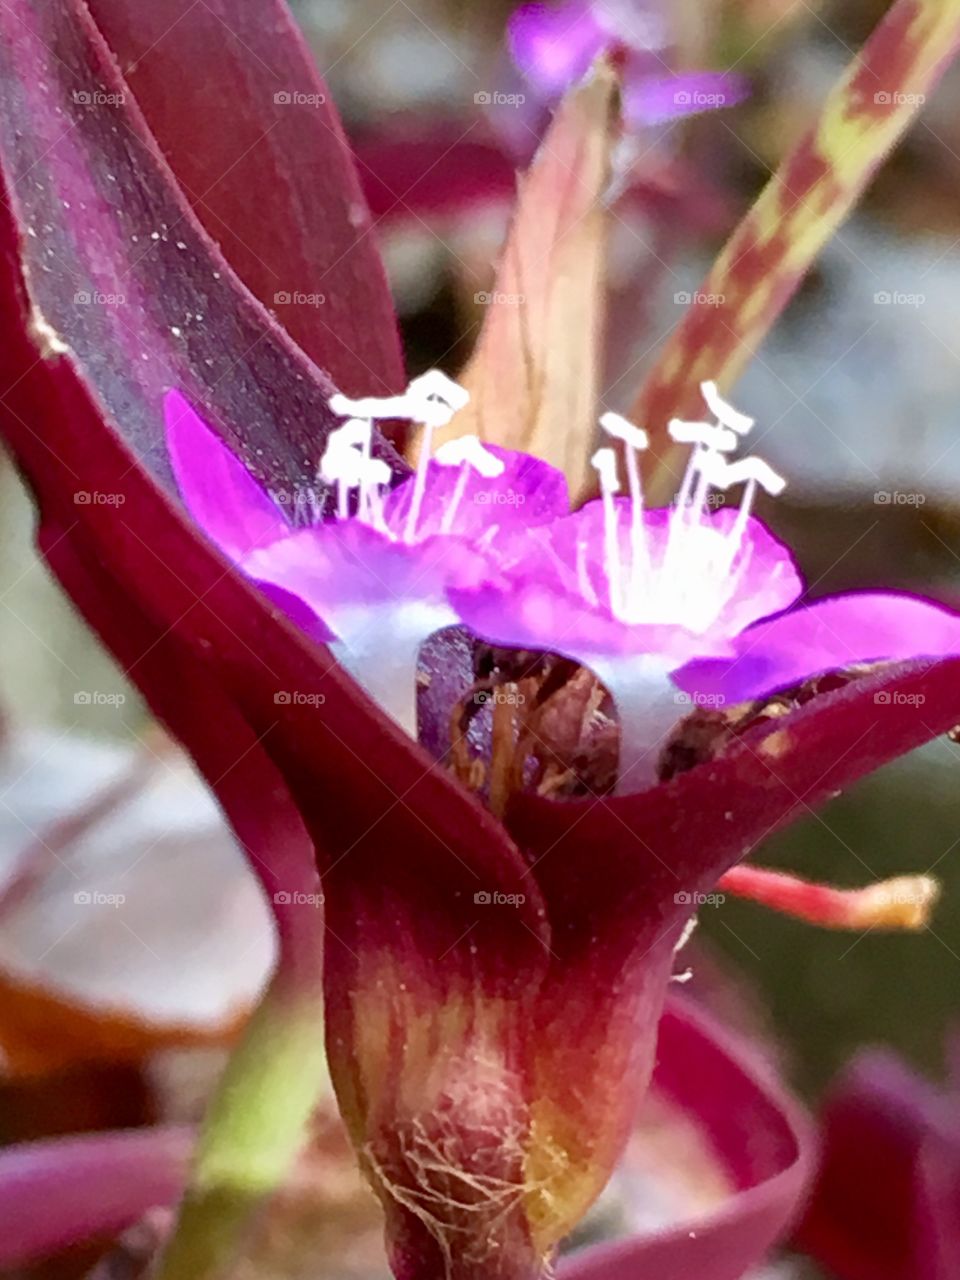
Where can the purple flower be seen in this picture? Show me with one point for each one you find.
(553, 46)
(686, 604)
(383, 566)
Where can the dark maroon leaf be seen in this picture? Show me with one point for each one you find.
(233, 98)
(119, 269)
(624, 867)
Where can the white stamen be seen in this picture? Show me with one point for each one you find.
(623, 429)
(706, 434)
(470, 451)
(605, 462)
(634, 440)
(355, 432)
(724, 412)
(435, 384)
(724, 475)
(696, 572)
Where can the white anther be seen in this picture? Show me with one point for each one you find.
(702, 433)
(352, 468)
(724, 412)
(605, 463)
(472, 451)
(371, 407)
(352, 435)
(436, 384)
(724, 475)
(623, 429)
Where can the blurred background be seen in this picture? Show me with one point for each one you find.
(132, 939)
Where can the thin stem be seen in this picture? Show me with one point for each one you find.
(254, 1127)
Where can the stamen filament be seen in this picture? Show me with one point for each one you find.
(419, 484)
(454, 505)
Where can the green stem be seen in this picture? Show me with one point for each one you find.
(254, 1128)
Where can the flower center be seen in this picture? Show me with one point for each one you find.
(686, 576)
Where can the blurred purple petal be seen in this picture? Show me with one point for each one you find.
(554, 46)
(650, 100)
(61, 1192)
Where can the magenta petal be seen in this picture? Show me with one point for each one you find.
(825, 636)
(219, 492)
(541, 606)
(527, 492)
(64, 1191)
(535, 615)
(345, 565)
(759, 1135)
